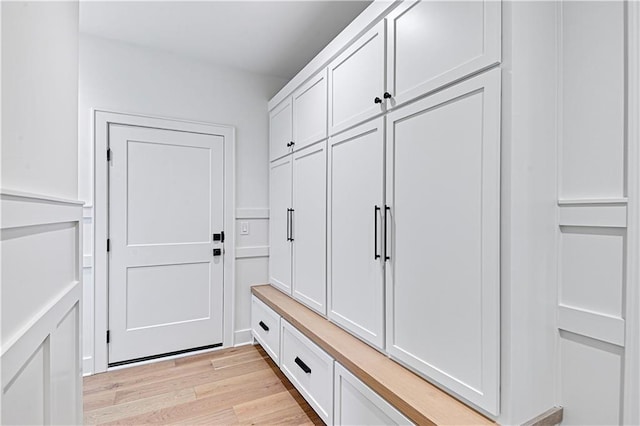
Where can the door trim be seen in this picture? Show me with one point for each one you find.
(101, 121)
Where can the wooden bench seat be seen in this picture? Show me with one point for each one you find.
(419, 400)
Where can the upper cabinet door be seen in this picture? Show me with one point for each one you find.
(443, 276)
(310, 111)
(280, 133)
(356, 81)
(435, 43)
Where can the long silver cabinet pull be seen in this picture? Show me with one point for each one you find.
(288, 225)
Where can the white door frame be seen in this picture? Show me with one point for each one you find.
(101, 121)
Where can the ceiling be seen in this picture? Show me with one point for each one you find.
(276, 38)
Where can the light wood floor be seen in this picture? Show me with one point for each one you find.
(229, 387)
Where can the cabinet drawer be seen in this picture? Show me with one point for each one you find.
(265, 327)
(357, 404)
(310, 370)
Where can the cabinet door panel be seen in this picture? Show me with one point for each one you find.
(355, 274)
(309, 226)
(357, 404)
(443, 281)
(434, 43)
(356, 78)
(310, 111)
(280, 203)
(280, 129)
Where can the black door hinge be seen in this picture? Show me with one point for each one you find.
(108, 244)
(219, 237)
(108, 336)
(108, 154)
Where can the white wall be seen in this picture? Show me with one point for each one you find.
(39, 83)
(529, 234)
(40, 232)
(123, 78)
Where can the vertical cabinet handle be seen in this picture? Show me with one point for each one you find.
(302, 365)
(386, 231)
(376, 209)
(288, 225)
(291, 222)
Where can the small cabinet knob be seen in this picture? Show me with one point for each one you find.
(387, 95)
(377, 100)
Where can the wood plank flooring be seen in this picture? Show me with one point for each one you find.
(237, 386)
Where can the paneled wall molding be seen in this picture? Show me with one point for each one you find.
(589, 201)
(631, 386)
(595, 214)
(596, 325)
(252, 213)
(33, 334)
(24, 209)
(247, 252)
(40, 351)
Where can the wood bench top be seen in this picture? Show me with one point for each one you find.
(419, 400)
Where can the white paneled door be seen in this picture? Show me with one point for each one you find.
(165, 265)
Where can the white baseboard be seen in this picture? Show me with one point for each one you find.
(87, 366)
(242, 337)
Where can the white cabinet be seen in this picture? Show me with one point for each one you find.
(356, 81)
(354, 403)
(434, 43)
(356, 213)
(310, 369)
(297, 237)
(279, 223)
(310, 111)
(308, 226)
(280, 129)
(265, 328)
(443, 276)
(301, 119)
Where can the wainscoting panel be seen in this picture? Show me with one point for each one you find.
(41, 309)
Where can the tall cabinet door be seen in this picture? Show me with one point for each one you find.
(308, 226)
(281, 129)
(356, 261)
(433, 43)
(443, 276)
(280, 223)
(356, 79)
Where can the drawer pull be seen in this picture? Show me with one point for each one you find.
(303, 366)
(264, 326)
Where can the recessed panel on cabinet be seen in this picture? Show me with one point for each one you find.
(265, 328)
(310, 369)
(310, 111)
(280, 129)
(356, 214)
(356, 79)
(309, 226)
(280, 224)
(357, 404)
(434, 43)
(443, 276)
